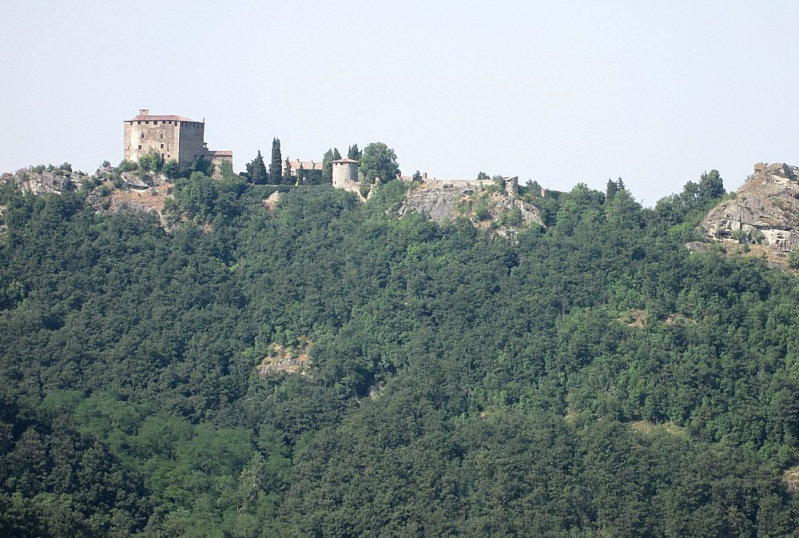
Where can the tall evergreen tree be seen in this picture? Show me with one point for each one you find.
(256, 170)
(354, 153)
(275, 168)
(286, 173)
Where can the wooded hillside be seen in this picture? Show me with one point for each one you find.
(594, 378)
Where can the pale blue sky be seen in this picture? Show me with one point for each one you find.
(560, 92)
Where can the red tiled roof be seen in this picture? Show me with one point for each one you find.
(148, 117)
(306, 165)
(219, 153)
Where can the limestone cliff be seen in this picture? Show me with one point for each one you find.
(764, 210)
(481, 202)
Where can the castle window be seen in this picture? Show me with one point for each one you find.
(139, 146)
(162, 135)
(142, 135)
(162, 147)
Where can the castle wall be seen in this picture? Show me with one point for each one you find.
(144, 136)
(191, 142)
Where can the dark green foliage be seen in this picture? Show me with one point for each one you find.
(276, 164)
(256, 170)
(171, 169)
(711, 186)
(378, 161)
(286, 178)
(354, 153)
(151, 162)
(593, 378)
(201, 165)
(55, 481)
(693, 201)
(127, 166)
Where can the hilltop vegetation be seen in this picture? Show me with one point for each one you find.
(587, 378)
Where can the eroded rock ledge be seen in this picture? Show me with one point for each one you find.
(764, 210)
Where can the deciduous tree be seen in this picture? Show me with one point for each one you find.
(378, 161)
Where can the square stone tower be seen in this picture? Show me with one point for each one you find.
(171, 137)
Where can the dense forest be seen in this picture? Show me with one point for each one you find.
(588, 378)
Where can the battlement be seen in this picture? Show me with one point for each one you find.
(169, 136)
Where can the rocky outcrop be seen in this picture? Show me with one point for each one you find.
(475, 200)
(44, 181)
(438, 204)
(764, 210)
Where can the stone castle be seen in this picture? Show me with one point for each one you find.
(171, 137)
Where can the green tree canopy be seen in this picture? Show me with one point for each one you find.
(286, 177)
(256, 170)
(711, 186)
(354, 153)
(378, 161)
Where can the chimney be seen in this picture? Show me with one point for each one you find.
(144, 112)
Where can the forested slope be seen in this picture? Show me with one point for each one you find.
(591, 379)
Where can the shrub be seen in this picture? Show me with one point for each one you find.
(127, 166)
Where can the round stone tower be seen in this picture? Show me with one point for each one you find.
(345, 171)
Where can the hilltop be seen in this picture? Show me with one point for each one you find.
(486, 203)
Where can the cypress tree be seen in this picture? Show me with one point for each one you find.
(354, 153)
(275, 168)
(287, 173)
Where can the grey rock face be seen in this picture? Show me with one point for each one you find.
(765, 209)
(446, 201)
(44, 182)
(439, 204)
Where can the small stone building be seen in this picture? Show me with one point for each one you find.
(172, 137)
(345, 172)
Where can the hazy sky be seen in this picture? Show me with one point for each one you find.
(560, 92)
